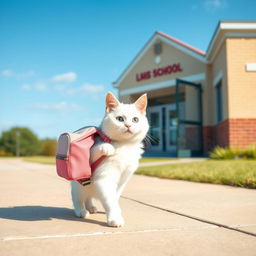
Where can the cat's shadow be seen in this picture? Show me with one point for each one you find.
(37, 213)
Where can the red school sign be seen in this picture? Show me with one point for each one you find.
(175, 68)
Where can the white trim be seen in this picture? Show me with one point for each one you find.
(228, 35)
(146, 48)
(183, 49)
(217, 78)
(160, 85)
(238, 25)
(212, 43)
(250, 67)
(229, 25)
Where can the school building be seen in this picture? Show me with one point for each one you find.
(197, 99)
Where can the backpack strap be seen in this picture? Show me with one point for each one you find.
(94, 165)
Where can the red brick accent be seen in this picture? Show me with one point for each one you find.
(192, 135)
(235, 132)
(208, 139)
(242, 132)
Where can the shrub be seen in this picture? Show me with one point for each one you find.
(250, 152)
(233, 153)
(48, 147)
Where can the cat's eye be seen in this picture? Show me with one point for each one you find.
(120, 118)
(135, 119)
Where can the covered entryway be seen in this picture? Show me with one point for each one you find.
(176, 128)
(163, 129)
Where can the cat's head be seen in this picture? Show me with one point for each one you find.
(125, 122)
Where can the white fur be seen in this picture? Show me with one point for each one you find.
(123, 154)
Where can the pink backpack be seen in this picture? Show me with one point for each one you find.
(73, 154)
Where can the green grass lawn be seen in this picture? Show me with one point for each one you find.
(40, 159)
(153, 159)
(241, 173)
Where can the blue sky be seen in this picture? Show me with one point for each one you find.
(59, 58)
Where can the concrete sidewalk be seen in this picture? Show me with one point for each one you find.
(163, 217)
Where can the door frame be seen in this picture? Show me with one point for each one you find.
(167, 134)
(157, 109)
(164, 130)
(181, 120)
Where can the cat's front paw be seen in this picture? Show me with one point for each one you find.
(116, 222)
(107, 149)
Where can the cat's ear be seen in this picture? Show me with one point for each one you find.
(141, 103)
(111, 102)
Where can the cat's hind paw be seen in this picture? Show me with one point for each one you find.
(81, 213)
(107, 149)
(92, 209)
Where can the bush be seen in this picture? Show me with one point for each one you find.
(233, 153)
(250, 153)
(48, 147)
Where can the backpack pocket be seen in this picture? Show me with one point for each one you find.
(62, 165)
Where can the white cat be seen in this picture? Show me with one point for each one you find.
(126, 125)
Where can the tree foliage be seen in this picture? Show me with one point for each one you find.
(19, 140)
(48, 147)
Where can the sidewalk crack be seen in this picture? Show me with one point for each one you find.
(192, 217)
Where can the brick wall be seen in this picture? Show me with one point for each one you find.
(242, 132)
(216, 135)
(235, 132)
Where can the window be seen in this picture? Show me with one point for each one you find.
(219, 110)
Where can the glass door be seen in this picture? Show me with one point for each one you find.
(189, 119)
(155, 132)
(171, 128)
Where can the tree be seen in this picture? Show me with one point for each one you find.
(19, 141)
(48, 147)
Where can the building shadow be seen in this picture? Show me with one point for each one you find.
(39, 213)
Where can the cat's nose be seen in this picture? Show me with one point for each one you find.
(127, 125)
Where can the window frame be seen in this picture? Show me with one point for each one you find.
(219, 101)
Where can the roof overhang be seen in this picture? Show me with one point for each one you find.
(229, 29)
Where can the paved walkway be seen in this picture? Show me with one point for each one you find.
(163, 217)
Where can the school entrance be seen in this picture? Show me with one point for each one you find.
(176, 128)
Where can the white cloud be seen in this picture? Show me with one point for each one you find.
(41, 86)
(85, 89)
(65, 78)
(26, 87)
(93, 121)
(213, 5)
(92, 88)
(60, 87)
(7, 73)
(26, 74)
(61, 106)
(21, 75)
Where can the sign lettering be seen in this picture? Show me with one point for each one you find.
(157, 72)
